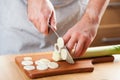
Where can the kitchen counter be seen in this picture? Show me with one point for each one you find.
(102, 71)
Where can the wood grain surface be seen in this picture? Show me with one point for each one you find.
(81, 65)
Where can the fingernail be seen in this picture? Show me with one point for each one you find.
(55, 27)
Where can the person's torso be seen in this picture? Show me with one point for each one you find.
(60, 3)
(18, 34)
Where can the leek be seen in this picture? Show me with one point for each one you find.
(101, 51)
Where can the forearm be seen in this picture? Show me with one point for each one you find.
(95, 10)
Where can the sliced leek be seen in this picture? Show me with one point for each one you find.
(56, 56)
(64, 54)
(60, 42)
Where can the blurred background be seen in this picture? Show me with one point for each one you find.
(109, 30)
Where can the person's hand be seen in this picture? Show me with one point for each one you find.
(41, 13)
(80, 36)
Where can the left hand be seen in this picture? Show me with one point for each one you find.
(80, 35)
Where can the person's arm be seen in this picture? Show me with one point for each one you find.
(41, 13)
(82, 34)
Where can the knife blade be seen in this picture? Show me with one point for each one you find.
(50, 27)
(69, 58)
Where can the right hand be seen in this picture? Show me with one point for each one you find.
(41, 13)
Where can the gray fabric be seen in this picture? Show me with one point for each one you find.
(61, 3)
(18, 34)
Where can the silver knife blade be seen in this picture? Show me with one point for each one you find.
(69, 58)
(49, 26)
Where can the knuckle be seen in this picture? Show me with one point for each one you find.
(43, 17)
(33, 19)
(70, 46)
(46, 13)
(83, 36)
(30, 17)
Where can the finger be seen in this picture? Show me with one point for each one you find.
(66, 37)
(53, 20)
(71, 43)
(86, 45)
(37, 25)
(44, 25)
(79, 48)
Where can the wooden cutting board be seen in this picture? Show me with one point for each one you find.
(81, 65)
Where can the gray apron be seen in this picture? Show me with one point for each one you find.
(18, 35)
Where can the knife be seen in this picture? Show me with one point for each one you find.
(69, 58)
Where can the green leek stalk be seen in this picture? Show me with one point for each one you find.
(101, 51)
